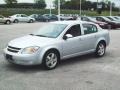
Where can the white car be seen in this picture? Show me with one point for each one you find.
(22, 18)
(5, 20)
(57, 41)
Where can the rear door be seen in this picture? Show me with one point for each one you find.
(90, 36)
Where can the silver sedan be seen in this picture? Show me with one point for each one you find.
(57, 41)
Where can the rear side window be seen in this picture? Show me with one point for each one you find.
(89, 29)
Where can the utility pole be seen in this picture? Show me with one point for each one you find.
(50, 10)
(58, 10)
(80, 8)
(110, 8)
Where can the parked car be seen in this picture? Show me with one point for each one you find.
(5, 20)
(112, 24)
(57, 41)
(34, 16)
(22, 18)
(66, 18)
(40, 18)
(52, 17)
(113, 19)
(117, 17)
(103, 25)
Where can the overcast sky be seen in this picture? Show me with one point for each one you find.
(50, 1)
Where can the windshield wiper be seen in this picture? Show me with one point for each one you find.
(31, 34)
(41, 35)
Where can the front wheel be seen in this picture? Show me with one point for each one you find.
(50, 60)
(100, 50)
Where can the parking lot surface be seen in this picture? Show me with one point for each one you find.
(81, 73)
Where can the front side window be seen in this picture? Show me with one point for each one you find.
(74, 31)
(18, 16)
(23, 15)
(89, 29)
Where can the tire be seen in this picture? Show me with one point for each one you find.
(16, 21)
(8, 22)
(100, 49)
(50, 60)
(31, 21)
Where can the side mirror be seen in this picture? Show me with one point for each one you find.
(67, 36)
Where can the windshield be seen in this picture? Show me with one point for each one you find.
(50, 31)
(111, 18)
(92, 19)
(106, 19)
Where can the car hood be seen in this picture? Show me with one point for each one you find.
(30, 40)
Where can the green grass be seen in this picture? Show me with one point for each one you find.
(11, 11)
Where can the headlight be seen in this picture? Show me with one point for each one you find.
(30, 50)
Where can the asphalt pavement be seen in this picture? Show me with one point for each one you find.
(81, 73)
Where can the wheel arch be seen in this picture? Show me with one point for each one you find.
(44, 51)
(7, 20)
(53, 49)
(102, 40)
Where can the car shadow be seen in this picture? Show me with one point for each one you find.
(36, 68)
(5, 24)
(78, 59)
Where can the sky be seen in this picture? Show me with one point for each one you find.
(49, 2)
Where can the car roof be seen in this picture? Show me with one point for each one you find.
(71, 22)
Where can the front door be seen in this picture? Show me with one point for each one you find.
(72, 46)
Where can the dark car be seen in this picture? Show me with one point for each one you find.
(52, 17)
(103, 25)
(112, 24)
(40, 18)
(34, 16)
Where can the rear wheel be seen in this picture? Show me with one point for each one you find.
(8, 22)
(31, 21)
(50, 60)
(100, 50)
(16, 21)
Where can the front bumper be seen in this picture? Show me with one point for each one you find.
(22, 59)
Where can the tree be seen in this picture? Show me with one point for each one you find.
(10, 3)
(62, 2)
(40, 4)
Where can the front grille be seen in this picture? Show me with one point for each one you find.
(13, 49)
